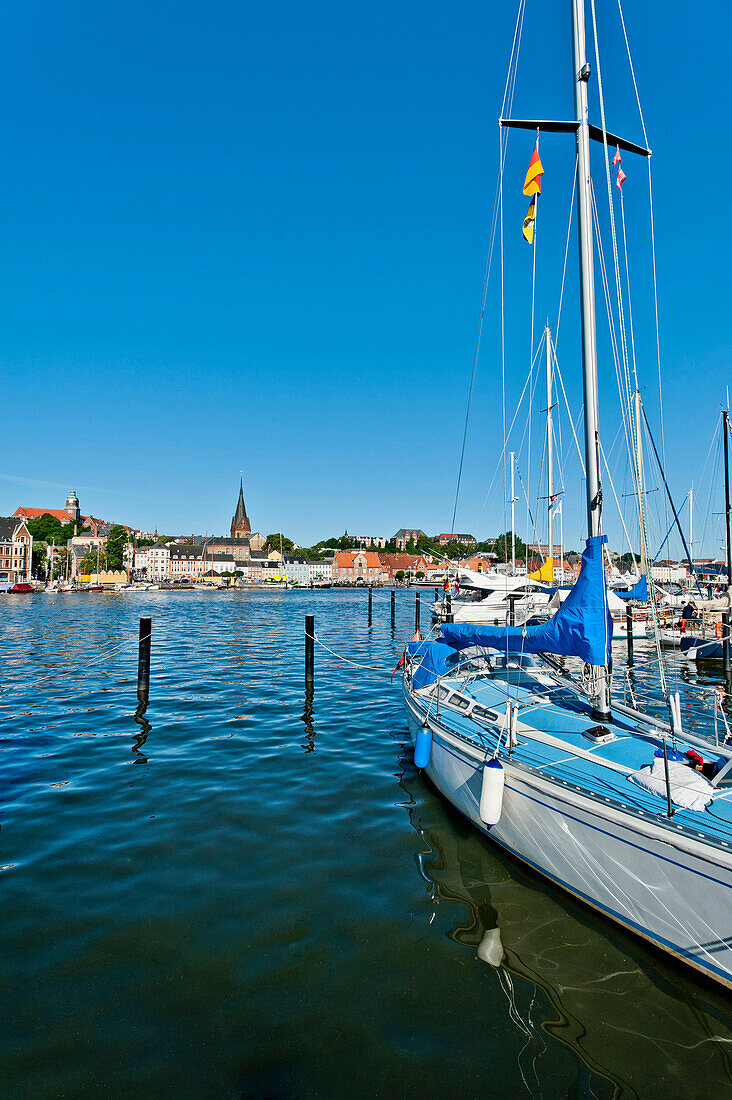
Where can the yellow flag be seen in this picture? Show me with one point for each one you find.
(545, 572)
(532, 183)
(528, 226)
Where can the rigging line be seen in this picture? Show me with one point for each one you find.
(476, 351)
(632, 73)
(507, 99)
(503, 144)
(566, 251)
(623, 390)
(515, 415)
(617, 503)
(569, 414)
(528, 506)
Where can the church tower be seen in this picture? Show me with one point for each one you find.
(240, 525)
(72, 506)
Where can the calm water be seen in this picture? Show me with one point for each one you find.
(245, 893)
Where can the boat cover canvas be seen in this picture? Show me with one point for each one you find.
(639, 591)
(582, 627)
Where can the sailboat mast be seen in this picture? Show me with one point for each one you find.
(513, 519)
(549, 448)
(726, 617)
(587, 273)
(639, 473)
(691, 529)
(601, 707)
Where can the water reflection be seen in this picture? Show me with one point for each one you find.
(307, 718)
(636, 1022)
(141, 737)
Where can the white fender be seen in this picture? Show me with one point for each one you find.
(491, 792)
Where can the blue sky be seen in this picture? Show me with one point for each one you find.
(252, 236)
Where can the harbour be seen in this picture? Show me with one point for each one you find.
(268, 863)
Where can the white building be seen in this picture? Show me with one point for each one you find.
(153, 561)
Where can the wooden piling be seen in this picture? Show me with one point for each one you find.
(416, 612)
(393, 608)
(309, 649)
(143, 659)
(629, 632)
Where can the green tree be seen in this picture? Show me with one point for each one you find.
(420, 575)
(272, 542)
(503, 548)
(38, 560)
(116, 540)
(399, 575)
(425, 545)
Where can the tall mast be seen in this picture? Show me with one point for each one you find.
(639, 476)
(587, 272)
(726, 616)
(513, 519)
(601, 707)
(549, 448)
(691, 530)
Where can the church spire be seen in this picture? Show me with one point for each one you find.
(240, 523)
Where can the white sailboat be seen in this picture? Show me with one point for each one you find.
(628, 813)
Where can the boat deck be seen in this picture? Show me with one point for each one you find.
(560, 714)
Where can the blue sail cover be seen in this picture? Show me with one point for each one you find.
(582, 627)
(639, 591)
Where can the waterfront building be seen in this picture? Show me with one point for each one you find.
(153, 561)
(406, 535)
(357, 567)
(16, 551)
(409, 564)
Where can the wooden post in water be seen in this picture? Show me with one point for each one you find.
(370, 599)
(629, 632)
(143, 660)
(416, 612)
(392, 609)
(309, 649)
(437, 596)
(448, 608)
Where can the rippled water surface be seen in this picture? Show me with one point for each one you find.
(246, 892)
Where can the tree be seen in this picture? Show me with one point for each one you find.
(425, 545)
(399, 575)
(503, 548)
(420, 575)
(38, 559)
(272, 542)
(48, 528)
(116, 540)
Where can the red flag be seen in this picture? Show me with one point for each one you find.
(417, 638)
(616, 158)
(621, 179)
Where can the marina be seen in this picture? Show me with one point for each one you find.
(440, 811)
(268, 862)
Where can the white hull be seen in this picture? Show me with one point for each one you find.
(653, 878)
